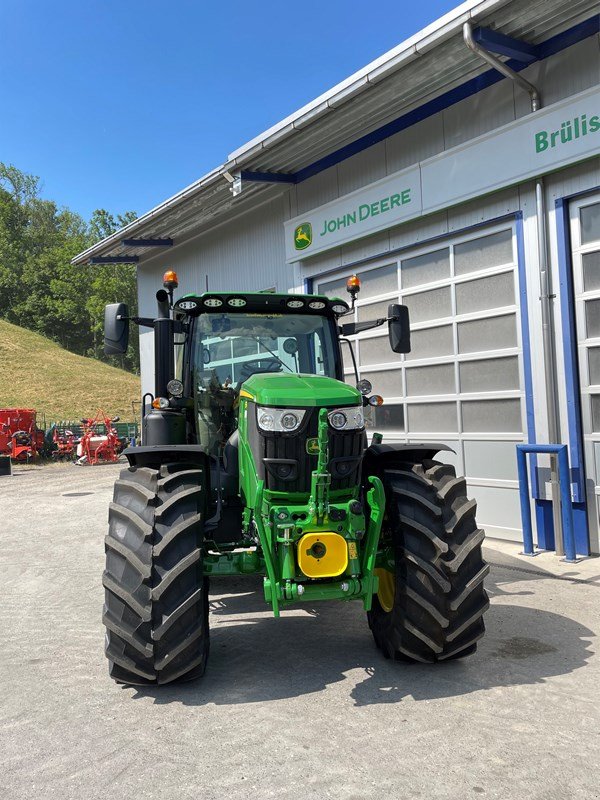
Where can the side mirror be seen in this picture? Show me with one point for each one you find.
(116, 329)
(399, 328)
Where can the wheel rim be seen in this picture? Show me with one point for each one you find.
(386, 592)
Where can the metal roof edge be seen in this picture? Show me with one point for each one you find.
(174, 200)
(420, 42)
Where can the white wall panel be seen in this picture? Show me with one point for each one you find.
(419, 231)
(362, 169)
(480, 113)
(416, 143)
(147, 360)
(317, 191)
(483, 209)
(364, 248)
(246, 253)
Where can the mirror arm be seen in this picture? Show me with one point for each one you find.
(145, 321)
(349, 343)
(358, 327)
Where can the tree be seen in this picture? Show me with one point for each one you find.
(39, 288)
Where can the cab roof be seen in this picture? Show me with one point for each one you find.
(260, 302)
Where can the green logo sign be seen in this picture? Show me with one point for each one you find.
(569, 130)
(303, 236)
(312, 447)
(365, 211)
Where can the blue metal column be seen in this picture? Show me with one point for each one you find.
(572, 387)
(564, 479)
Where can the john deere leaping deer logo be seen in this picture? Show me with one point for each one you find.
(303, 236)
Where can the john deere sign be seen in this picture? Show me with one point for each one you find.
(541, 142)
(381, 205)
(303, 236)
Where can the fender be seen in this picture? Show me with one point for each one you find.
(156, 454)
(377, 456)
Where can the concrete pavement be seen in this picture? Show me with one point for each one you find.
(301, 707)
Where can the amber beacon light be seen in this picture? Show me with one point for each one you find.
(170, 279)
(353, 287)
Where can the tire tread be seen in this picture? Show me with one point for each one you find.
(440, 596)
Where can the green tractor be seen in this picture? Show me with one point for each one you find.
(254, 460)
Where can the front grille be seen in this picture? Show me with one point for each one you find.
(285, 466)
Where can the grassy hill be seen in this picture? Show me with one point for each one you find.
(37, 373)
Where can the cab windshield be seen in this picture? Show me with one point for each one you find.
(228, 348)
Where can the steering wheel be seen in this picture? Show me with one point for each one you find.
(258, 365)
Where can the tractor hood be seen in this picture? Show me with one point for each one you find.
(299, 391)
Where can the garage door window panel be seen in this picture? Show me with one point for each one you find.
(375, 282)
(388, 417)
(595, 401)
(488, 375)
(496, 291)
(590, 223)
(590, 263)
(377, 351)
(594, 365)
(385, 382)
(426, 268)
(592, 318)
(491, 416)
(432, 417)
(431, 343)
(437, 379)
(373, 310)
(493, 250)
(493, 333)
(335, 288)
(424, 306)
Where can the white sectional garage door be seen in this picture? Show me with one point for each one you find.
(585, 239)
(462, 382)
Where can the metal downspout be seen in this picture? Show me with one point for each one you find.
(546, 295)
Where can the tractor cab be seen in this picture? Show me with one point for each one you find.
(233, 338)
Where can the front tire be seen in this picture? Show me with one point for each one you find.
(431, 599)
(156, 598)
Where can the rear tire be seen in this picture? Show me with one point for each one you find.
(156, 598)
(430, 608)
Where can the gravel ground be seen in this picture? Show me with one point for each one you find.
(302, 707)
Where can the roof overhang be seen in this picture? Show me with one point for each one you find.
(397, 89)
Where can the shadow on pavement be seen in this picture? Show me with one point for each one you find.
(256, 658)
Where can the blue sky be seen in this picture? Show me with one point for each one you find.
(118, 104)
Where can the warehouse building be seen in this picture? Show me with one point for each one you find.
(458, 174)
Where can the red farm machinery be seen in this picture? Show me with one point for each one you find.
(20, 438)
(100, 441)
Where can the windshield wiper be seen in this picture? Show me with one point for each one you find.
(273, 354)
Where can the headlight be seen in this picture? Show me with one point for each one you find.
(338, 420)
(346, 419)
(281, 420)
